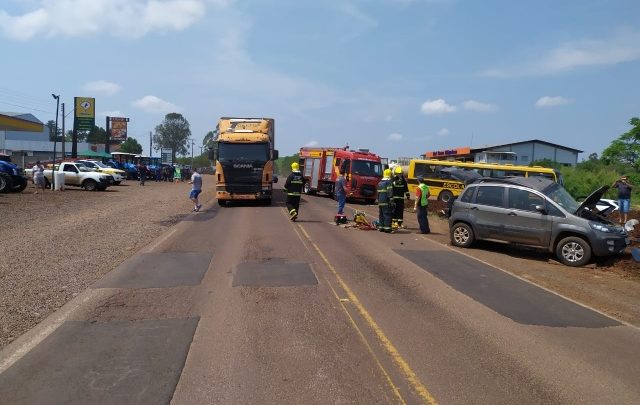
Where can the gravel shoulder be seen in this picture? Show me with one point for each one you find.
(57, 244)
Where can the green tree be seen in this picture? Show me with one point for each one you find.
(131, 145)
(208, 138)
(283, 164)
(547, 163)
(51, 124)
(625, 149)
(96, 135)
(173, 133)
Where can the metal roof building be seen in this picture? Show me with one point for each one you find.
(517, 153)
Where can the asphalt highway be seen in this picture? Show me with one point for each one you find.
(240, 305)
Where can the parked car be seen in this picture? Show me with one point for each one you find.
(11, 176)
(117, 175)
(538, 212)
(76, 174)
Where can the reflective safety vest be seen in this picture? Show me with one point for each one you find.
(424, 194)
(385, 192)
(294, 184)
(400, 188)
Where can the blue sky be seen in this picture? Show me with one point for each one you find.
(399, 77)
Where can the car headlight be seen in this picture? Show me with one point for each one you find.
(600, 227)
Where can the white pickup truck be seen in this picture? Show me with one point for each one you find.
(76, 175)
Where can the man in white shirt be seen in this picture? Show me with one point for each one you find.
(196, 189)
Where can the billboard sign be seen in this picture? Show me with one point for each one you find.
(167, 156)
(118, 127)
(84, 117)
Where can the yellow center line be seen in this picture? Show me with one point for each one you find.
(402, 364)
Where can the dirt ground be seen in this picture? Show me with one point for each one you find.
(56, 244)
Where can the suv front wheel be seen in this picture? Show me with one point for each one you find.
(573, 251)
(462, 235)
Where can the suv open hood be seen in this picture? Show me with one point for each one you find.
(591, 201)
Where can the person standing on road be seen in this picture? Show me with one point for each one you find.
(420, 206)
(400, 192)
(341, 192)
(385, 202)
(293, 187)
(142, 173)
(624, 197)
(38, 177)
(196, 189)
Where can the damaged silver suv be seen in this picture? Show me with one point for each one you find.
(535, 211)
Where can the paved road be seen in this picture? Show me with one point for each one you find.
(239, 305)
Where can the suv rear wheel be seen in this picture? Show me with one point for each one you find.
(462, 235)
(573, 251)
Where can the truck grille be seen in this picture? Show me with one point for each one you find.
(243, 180)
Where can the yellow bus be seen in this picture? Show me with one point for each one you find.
(445, 183)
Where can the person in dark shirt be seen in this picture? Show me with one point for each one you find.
(293, 188)
(341, 193)
(624, 197)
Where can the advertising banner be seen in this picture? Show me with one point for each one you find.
(118, 127)
(84, 117)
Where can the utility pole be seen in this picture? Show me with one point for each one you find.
(107, 136)
(55, 138)
(150, 145)
(63, 134)
(192, 143)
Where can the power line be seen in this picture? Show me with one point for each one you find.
(24, 96)
(25, 107)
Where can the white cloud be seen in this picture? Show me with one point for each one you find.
(549, 102)
(312, 143)
(101, 87)
(394, 137)
(619, 48)
(122, 18)
(473, 105)
(443, 132)
(438, 106)
(153, 104)
(114, 113)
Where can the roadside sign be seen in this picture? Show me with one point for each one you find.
(167, 156)
(84, 117)
(118, 126)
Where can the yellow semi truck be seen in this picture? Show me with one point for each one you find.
(243, 153)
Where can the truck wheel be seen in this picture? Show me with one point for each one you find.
(370, 201)
(306, 188)
(20, 186)
(222, 203)
(573, 251)
(90, 185)
(6, 183)
(445, 196)
(117, 183)
(462, 235)
(47, 184)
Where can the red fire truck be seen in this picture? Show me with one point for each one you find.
(321, 166)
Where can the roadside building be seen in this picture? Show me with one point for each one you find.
(517, 153)
(30, 142)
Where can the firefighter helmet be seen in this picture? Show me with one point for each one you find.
(387, 172)
(398, 170)
(295, 166)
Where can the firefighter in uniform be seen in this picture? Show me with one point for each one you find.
(400, 192)
(293, 187)
(385, 202)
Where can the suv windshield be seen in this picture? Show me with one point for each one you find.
(560, 196)
(366, 168)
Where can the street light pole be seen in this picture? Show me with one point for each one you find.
(55, 138)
